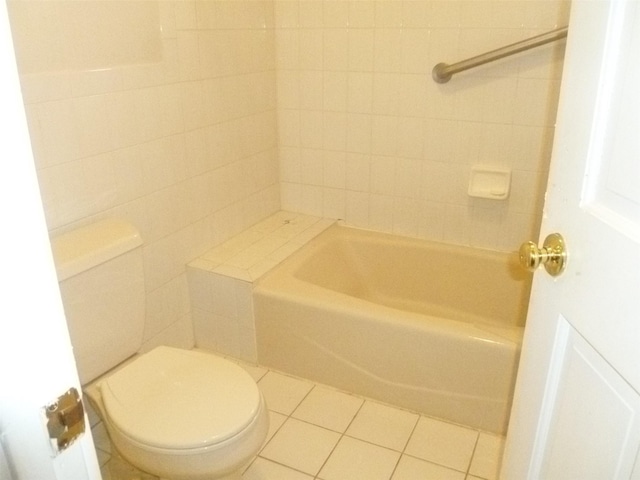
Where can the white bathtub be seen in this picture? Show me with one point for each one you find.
(430, 327)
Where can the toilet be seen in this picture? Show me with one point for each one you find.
(177, 414)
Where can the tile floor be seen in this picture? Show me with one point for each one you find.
(321, 433)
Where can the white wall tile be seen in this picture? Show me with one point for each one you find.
(334, 202)
(287, 49)
(361, 50)
(112, 141)
(334, 131)
(54, 126)
(359, 133)
(311, 13)
(286, 13)
(223, 65)
(357, 209)
(335, 56)
(387, 47)
(335, 13)
(311, 47)
(335, 91)
(361, 14)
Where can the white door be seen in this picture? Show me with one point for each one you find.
(576, 413)
(36, 361)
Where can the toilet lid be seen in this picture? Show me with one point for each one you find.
(180, 399)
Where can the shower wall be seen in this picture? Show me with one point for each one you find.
(195, 119)
(160, 112)
(367, 136)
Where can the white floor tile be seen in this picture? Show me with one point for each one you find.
(328, 408)
(487, 456)
(301, 445)
(309, 441)
(275, 422)
(442, 443)
(262, 469)
(283, 393)
(119, 469)
(255, 371)
(410, 468)
(383, 425)
(355, 459)
(101, 438)
(105, 473)
(103, 457)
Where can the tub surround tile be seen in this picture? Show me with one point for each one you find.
(221, 280)
(266, 243)
(373, 58)
(263, 266)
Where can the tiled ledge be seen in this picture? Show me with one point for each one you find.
(254, 252)
(221, 281)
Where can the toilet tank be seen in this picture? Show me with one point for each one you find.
(101, 277)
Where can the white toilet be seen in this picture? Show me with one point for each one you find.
(178, 414)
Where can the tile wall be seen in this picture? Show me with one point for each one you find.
(178, 135)
(367, 136)
(233, 109)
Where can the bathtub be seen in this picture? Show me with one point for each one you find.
(430, 327)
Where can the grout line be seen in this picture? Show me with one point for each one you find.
(342, 435)
(473, 452)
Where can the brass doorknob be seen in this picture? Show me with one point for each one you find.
(552, 255)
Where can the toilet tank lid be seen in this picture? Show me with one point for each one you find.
(86, 247)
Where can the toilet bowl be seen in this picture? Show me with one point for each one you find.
(182, 414)
(178, 414)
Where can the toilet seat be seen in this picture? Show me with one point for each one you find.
(180, 400)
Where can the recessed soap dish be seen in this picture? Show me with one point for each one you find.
(489, 182)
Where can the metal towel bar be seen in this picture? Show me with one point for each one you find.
(442, 72)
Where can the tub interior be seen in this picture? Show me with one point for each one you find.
(427, 278)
